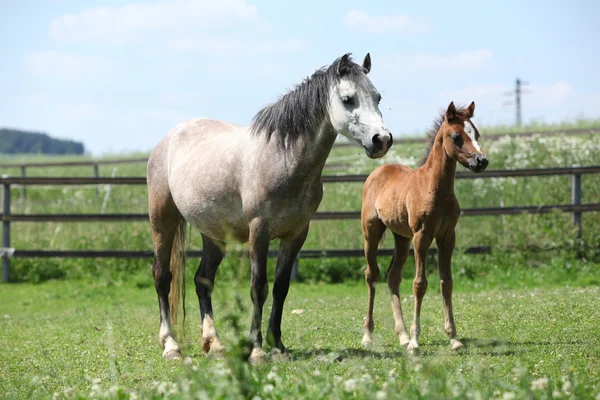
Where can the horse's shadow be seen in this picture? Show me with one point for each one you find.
(490, 347)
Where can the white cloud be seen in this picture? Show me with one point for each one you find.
(399, 23)
(464, 60)
(238, 45)
(66, 66)
(412, 63)
(130, 23)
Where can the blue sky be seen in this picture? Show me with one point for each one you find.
(118, 75)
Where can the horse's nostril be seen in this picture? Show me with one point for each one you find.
(377, 139)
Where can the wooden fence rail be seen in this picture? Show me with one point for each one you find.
(6, 252)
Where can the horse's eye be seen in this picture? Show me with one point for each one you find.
(348, 100)
(457, 138)
(379, 99)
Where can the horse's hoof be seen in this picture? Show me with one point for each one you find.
(413, 348)
(456, 345)
(257, 357)
(367, 344)
(279, 356)
(216, 353)
(172, 355)
(404, 341)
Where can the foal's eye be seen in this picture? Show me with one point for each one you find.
(379, 99)
(348, 100)
(457, 138)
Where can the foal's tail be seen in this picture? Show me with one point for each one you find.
(177, 293)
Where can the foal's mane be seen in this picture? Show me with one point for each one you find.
(300, 111)
(461, 112)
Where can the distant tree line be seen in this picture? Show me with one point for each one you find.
(13, 141)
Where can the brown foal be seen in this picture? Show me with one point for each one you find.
(419, 205)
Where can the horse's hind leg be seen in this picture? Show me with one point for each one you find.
(422, 243)
(205, 281)
(164, 218)
(445, 247)
(394, 278)
(288, 251)
(373, 230)
(258, 244)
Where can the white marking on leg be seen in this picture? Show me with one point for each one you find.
(367, 341)
(170, 345)
(470, 131)
(165, 336)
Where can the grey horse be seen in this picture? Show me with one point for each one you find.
(253, 184)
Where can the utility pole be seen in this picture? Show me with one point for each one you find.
(517, 93)
(518, 101)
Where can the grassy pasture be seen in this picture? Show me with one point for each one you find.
(528, 311)
(98, 339)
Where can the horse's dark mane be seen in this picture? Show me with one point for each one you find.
(461, 112)
(302, 109)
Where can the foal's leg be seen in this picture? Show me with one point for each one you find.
(288, 251)
(373, 232)
(394, 278)
(422, 243)
(259, 248)
(445, 247)
(164, 226)
(205, 281)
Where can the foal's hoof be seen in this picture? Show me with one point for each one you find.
(413, 348)
(172, 355)
(280, 356)
(367, 344)
(257, 357)
(456, 345)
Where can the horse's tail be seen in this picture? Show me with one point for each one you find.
(177, 293)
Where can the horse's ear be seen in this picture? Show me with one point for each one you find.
(344, 65)
(367, 63)
(451, 111)
(471, 109)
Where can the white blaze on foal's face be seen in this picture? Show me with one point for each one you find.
(470, 131)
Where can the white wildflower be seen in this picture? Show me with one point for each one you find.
(508, 396)
(381, 395)
(349, 385)
(268, 388)
(539, 384)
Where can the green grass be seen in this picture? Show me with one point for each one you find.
(96, 338)
(507, 234)
(528, 311)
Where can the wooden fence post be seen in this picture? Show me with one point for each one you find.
(6, 234)
(576, 199)
(96, 175)
(23, 175)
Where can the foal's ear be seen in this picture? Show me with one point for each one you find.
(451, 111)
(471, 109)
(367, 63)
(344, 65)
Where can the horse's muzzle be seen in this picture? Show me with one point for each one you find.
(478, 163)
(380, 145)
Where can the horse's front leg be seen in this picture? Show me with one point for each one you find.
(445, 247)
(259, 248)
(422, 241)
(288, 252)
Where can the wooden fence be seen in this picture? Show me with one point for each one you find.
(6, 252)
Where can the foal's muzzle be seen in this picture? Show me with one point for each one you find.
(381, 143)
(478, 162)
